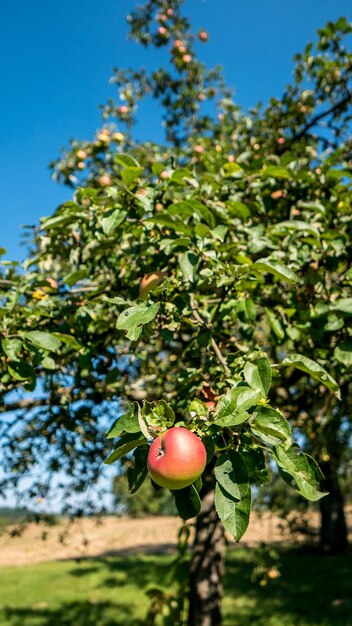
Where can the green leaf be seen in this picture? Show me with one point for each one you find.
(43, 340)
(312, 368)
(344, 305)
(126, 423)
(126, 160)
(255, 461)
(112, 221)
(48, 363)
(248, 398)
(155, 417)
(258, 375)
(277, 269)
(295, 225)
(275, 171)
(233, 514)
(231, 473)
(343, 353)
(189, 264)
(233, 169)
(198, 408)
(271, 427)
(233, 405)
(187, 502)
(300, 471)
(12, 348)
(73, 278)
(137, 473)
(135, 317)
(275, 324)
(127, 443)
(21, 370)
(68, 340)
(220, 232)
(165, 219)
(130, 174)
(233, 419)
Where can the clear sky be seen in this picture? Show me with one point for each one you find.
(56, 59)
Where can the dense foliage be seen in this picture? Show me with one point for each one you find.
(246, 221)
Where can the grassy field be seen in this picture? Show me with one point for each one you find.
(312, 591)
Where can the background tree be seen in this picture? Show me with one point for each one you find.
(247, 221)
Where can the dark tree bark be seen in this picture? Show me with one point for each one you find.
(207, 565)
(333, 527)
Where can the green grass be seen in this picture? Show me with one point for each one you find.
(312, 591)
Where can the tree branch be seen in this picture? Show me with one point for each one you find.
(333, 109)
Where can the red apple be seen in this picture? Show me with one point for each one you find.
(149, 282)
(203, 35)
(176, 458)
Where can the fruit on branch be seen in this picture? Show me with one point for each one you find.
(81, 155)
(203, 35)
(104, 180)
(176, 458)
(150, 282)
(118, 137)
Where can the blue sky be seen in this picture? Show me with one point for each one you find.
(56, 60)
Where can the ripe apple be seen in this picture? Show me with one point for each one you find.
(104, 180)
(176, 458)
(203, 35)
(149, 282)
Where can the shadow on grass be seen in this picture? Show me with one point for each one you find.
(313, 589)
(73, 614)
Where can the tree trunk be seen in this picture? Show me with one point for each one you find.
(207, 565)
(333, 527)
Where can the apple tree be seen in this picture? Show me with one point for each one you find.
(204, 284)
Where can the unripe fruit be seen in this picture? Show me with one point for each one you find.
(198, 149)
(104, 180)
(149, 282)
(103, 136)
(119, 137)
(164, 175)
(81, 155)
(176, 458)
(81, 165)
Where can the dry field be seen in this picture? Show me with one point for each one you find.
(110, 535)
